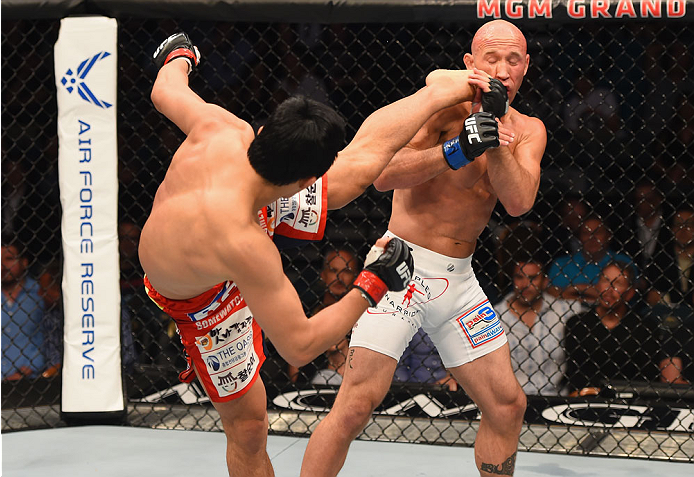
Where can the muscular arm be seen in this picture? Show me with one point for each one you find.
(276, 307)
(422, 158)
(389, 129)
(516, 176)
(174, 99)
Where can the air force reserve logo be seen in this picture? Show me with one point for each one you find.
(76, 80)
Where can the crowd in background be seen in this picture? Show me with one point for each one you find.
(593, 286)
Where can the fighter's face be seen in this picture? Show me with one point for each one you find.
(503, 58)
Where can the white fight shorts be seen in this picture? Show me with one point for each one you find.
(445, 300)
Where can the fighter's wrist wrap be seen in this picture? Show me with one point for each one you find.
(454, 154)
(371, 287)
(385, 269)
(176, 46)
(184, 53)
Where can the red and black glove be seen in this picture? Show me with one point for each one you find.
(388, 268)
(177, 45)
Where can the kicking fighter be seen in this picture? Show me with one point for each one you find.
(443, 198)
(206, 247)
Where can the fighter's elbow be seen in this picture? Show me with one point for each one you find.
(518, 207)
(297, 357)
(383, 183)
(159, 95)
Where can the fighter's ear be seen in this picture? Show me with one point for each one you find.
(467, 59)
(527, 64)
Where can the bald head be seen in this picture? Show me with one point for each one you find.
(498, 30)
(500, 50)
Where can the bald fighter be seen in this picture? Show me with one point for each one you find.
(446, 182)
(207, 250)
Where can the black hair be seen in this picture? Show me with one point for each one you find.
(300, 140)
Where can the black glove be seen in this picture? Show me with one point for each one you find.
(177, 45)
(385, 269)
(480, 132)
(495, 101)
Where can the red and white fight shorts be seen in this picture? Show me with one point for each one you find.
(220, 336)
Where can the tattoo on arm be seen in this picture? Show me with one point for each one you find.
(505, 468)
(351, 355)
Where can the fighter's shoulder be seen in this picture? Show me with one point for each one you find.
(528, 123)
(220, 125)
(240, 242)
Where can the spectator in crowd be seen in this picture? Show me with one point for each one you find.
(22, 312)
(340, 268)
(677, 340)
(610, 341)
(30, 206)
(421, 363)
(593, 110)
(573, 277)
(669, 276)
(53, 322)
(573, 211)
(535, 323)
(644, 231)
(518, 237)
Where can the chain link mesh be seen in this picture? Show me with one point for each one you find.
(618, 103)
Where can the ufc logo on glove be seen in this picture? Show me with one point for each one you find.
(471, 128)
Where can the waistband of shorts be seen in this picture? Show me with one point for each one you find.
(454, 265)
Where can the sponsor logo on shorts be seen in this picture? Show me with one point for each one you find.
(236, 379)
(231, 329)
(231, 354)
(213, 363)
(220, 307)
(481, 324)
(418, 292)
(308, 218)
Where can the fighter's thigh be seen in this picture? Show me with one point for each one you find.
(248, 412)
(489, 380)
(367, 378)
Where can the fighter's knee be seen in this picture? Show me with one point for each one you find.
(509, 408)
(513, 408)
(247, 436)
(353, 413)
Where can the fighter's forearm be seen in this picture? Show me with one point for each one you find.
(171, 94)
(326, 328)
(411, 167)
(514, 185)
(388, 130)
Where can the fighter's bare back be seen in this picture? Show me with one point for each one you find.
(202, 201)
